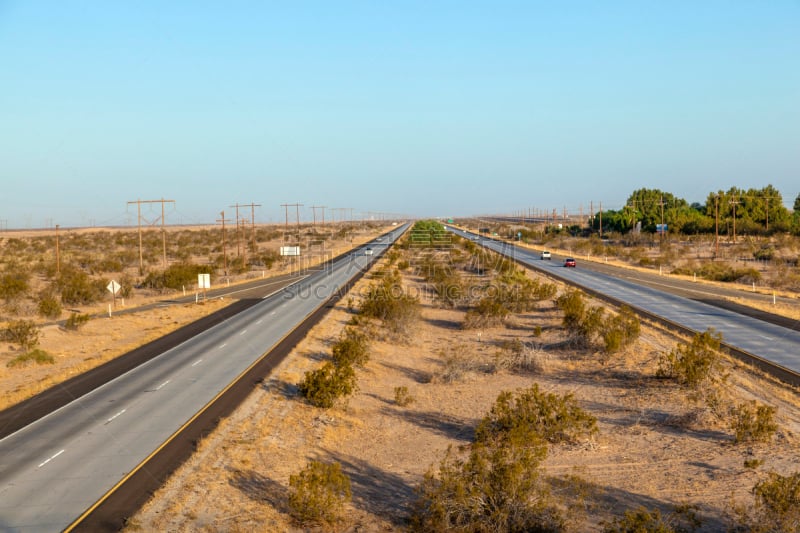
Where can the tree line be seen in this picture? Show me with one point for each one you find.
(735, 211)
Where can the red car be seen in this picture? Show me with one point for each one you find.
(569, 262)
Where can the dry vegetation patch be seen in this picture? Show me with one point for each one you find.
(657, 447)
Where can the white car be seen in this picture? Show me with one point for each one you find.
(368, 251)
(546, 255)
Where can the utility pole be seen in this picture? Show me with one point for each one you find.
(314, 209)
(601, 220)
(58, 254)
(716, 225)
(224, 246)
(733, 203)
(252, 207)
(163, 229)
(297, 207)
(663, 231)
(238, 239)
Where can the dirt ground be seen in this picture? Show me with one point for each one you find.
(655, 448)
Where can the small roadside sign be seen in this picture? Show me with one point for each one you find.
(113, 287)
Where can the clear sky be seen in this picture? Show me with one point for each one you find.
(431, 108)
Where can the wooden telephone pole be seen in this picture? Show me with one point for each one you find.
(224, 245)
(314, 209)
(151, 222)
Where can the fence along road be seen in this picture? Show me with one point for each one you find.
(59, 466)
(775, 344)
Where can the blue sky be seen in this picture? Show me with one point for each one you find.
(427, 108)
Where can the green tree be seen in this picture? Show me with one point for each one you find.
(648, 205)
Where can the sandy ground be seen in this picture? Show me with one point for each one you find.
(655, 448)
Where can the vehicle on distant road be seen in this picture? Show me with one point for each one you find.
(570, 262)
(546, 255)
(368, 251)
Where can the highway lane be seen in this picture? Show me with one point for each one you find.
(54, 469)
(769, 341)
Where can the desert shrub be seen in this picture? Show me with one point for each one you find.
(49, 306)
(753, 463)
(176, 276)
(352, 348)
(38, 356)
(519, 356)
(457, 361)
(582, 322)
(323, 386)
(449, 287)
(548, 416)
(752, 422)
(765, 253)
(22, 332)
(14, 282)
(403, 265)
(496, 488)
(267, 258)
(488, 312)
(692, 364)
(642, 520)
(719, 271)
(387, 301)
(76, 320)
(402, 397)
(511, 292)
(620, 330)
(77, 288)
(777, 504)
(318, 493)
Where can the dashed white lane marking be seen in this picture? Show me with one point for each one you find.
(259, 322)
(197, 362)
(115, 416)
(49, 459)
(224, 344)
(242, 332)
(272, 313)
(162, 385)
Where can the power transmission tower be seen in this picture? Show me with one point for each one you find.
(239, 235)
(314, 208)
(163, 229)
(297, 211)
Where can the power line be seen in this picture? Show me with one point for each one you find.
(163, 229)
